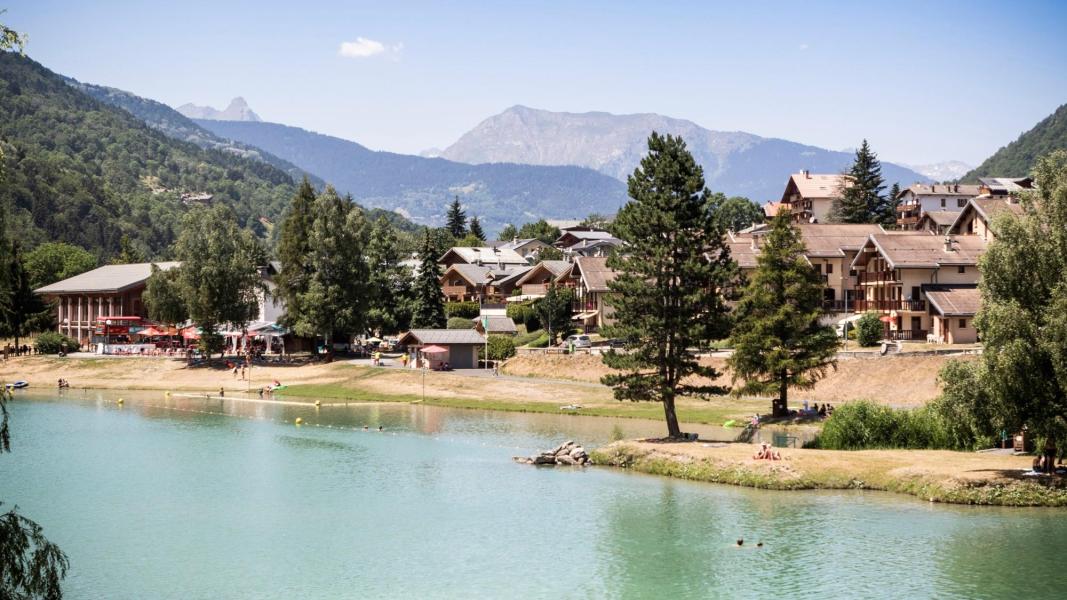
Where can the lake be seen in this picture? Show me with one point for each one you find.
(194, 498)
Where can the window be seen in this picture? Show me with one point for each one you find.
(963, 323)
(961, 269)
(961, 202)
(829, 268)
(818, 268)
(942, 203)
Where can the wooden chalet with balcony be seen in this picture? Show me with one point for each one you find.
(809, 197)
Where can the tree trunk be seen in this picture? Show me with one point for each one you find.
(781, 405)
(673, 431)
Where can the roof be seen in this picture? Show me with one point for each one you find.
(744, 254)
(475, 274)
(510, 277)
(516, 244)
(571, 237)
(485, 255)
(595, 272)
(833, 239)
(553, 267)
(770, 209)
(963, 301)
(109, 278)
(936, 189)
(444, 337)
(498, 324)
(941, 217)
(924, 251)
(986, 206)
(1006, 185)
(814, 185)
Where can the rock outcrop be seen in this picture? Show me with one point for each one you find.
(567, 453)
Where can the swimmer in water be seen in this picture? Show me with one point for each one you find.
(759, 544)
(740, 542)
(380, 428)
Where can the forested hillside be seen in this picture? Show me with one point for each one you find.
(80, 171)
(1017, 158)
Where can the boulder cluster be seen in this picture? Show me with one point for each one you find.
(567, 453)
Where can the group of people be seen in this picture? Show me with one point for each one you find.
(820, 410)
(63, 383)
(236, 368)
(22, 350)
(766, 452)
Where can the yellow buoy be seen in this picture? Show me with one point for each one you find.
(299, 421)
(167, 394)
(120, 400)
(318, 403)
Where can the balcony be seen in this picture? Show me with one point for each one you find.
(535, 288)
(456, 291)
(908, 207)
(877, 277)
(909, 335)
(907, 220)
(888, 305)
(834, 305)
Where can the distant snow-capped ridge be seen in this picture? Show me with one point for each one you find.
(238, 110)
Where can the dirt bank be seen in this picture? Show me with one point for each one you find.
(895, 380)
(934, 475)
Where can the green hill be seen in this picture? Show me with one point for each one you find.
(80, 171)
(1017, 158)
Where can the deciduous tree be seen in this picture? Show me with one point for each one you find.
(389, 281)
(777, 338)
(554, 311)
(163, 298)
(667, 294)
(738, 212)
(56, 261)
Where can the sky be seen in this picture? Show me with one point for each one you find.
(924, 82)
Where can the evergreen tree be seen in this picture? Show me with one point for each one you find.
(429, 305)
(860, 200)
(294, 251)
(456, 221)
(21, 310)
(476, 229)
(219, 277)
(889, 207)
(389, 281)
(777, 338)
(337, 296)
(508, 233)
(667, 293)
(129, 253)
(1020, 380)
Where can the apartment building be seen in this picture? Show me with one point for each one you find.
(809, 197)
(920, 198)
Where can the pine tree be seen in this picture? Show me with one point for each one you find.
(777, 338)
(294, 251)
(476, 229)
(860, 199)
(21, 310)
(889, 208)
(667, 293)
(429, 307)
(508, 233)
(456, 221)
(389, 281)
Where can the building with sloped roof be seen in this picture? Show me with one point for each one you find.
(921, 198)
(592, 277)
(488, 256)
(977, 218)
(809, 197)
(460, 347)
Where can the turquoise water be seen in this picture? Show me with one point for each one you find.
(194, 498)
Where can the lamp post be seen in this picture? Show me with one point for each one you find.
(107, 335)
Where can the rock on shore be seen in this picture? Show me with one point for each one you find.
(567, 453)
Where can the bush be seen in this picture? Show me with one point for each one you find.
(51, 342)
(525, 338)
(501, 347)
(460, 323)
(523, 313)
(540, 342)
(864, 425)
(869, 329)
(467, 310)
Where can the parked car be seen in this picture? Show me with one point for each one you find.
(579, 341)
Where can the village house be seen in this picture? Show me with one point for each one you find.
(809, 197)
(487, 256)
(591, 276)
(458, 348)
(936, 221)
(527, 248)
(895, 272)
(1004, 186)
(479, 283)
(976, 218)
(536, 281)
(921, 198)
(952, 310)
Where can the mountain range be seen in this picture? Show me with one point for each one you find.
(1017, 158)
(735, 162)
(238, 110)
(421, 188)
(949, 170)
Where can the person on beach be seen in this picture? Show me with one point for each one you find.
(222, 392)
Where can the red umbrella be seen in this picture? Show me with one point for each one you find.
(151, 331)
(191, 334)
(433, 350)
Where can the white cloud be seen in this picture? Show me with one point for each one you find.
(803, 46)
(365, 48)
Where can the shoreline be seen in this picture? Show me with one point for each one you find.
(934, 475)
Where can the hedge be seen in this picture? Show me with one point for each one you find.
(467, 310)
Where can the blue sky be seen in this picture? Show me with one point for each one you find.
(923, 81)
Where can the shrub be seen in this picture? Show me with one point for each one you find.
(523, 313)
(864, 425)
(460, 323)
(540, 342)
(51, 342)
(501, 347)
(468, 310)
(525, 338)
(869, 329)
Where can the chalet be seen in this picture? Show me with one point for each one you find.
(601, 247)
(108, 291)
(952, 310)
(937, 221)
(526, 248)
(922, 198)
(487, 256)
(977, 217)
(538, 278)
(831, 248)
(464, 282)
(894, 271)
(810, 197)
(577, 235)
(1004, 186)
(592, 277)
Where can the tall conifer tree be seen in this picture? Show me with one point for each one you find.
(861, 199)
(294, 251)
(429, 306)
(889, 208)
(390, 282)
(667, 295)
(476, 229)
(456, 221)
(777, 339)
